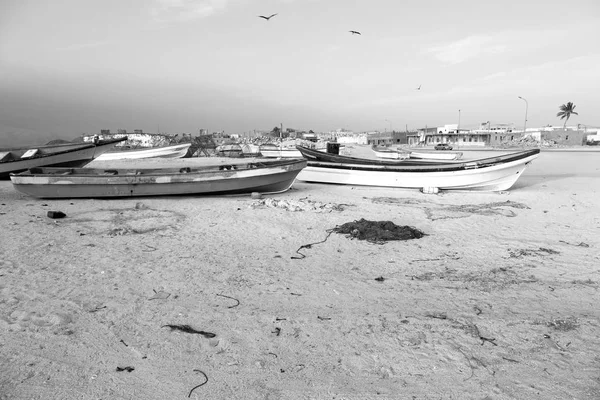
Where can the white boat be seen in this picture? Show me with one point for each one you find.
(391, 154)
(272, 176)
(273, 151)
(250, 150)
(172, 151)
(486, 174)
(425, 155)
(17, 159)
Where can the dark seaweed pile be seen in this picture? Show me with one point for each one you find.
(378, 231)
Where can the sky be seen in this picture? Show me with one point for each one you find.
(69, 67)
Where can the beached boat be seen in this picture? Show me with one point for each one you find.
(264, 177)
(486, 174)
(387, 153)
(250, 150)
(317, 155)
(430, 155)
(172, 151)
(55, 155)
(274, 151)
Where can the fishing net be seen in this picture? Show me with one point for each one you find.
(378, 231)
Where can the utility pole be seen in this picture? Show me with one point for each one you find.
(526, 108)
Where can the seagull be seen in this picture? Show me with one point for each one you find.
(267, 18)
(354, 32)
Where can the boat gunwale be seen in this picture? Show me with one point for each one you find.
(430, 167)
(83, 146)
(409, 166)
(58, 172)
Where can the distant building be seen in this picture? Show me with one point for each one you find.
(419, 138)
(449, 133)
(387, 138)
(353, 139)
(565, 137)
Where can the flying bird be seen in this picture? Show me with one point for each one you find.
(354, 32)
(267, 18)
(419, 88)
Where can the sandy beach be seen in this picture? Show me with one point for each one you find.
(500, 299)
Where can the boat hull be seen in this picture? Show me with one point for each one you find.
(74, 155)
(214, 180)
(435, 156)
(389, 154)
(469, 176)
(316, 155)
(281, 153)
(176, 151)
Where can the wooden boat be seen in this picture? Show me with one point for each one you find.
(263, 177)
(392, 154)
(173, 151)
(425, 155)
(250, 150)
(232, 150)
(316, 155)
(486, 174)
(273, 151)
(56, 155)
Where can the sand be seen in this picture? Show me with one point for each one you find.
(498, 301)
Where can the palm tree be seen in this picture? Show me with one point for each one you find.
(565, 112)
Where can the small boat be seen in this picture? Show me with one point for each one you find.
(388, 153)
(172, 151)
(250, 150)
(316, 155)
(486, 174)
(64, 183)
(274, 151)
(69, 154)
(425, 155)
(232, 150)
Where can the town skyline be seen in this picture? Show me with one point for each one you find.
(178, 66)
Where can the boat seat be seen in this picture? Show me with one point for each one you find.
(5, 156)
(30, 153)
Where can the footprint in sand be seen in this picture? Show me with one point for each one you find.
(128, 221)
(435, 211)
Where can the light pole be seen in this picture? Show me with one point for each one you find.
(458, 129)
(526, 108)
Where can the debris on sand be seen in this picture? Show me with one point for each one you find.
(189, 329)
(378, 231)
(197, 386)
(299, 205)
(564, 325)
(542, 251)
(56, 214)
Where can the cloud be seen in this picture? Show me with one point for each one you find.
(185, 10)
(467, 48)
(82, 46)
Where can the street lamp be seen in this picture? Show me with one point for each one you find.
(458, 128)
(526, 108)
